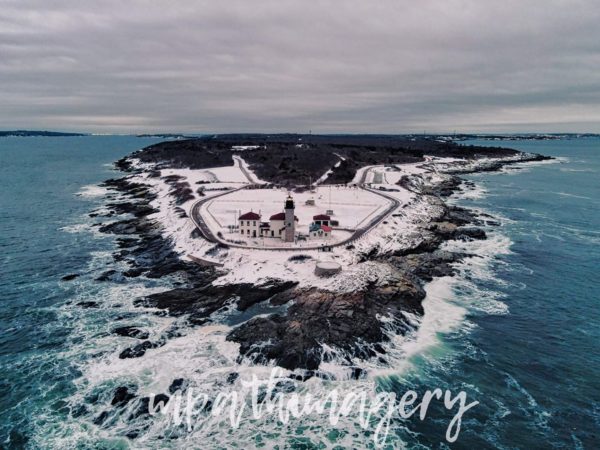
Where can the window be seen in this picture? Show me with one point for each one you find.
(254, 222)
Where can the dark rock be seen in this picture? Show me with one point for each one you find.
(101, 418)
(232, 377)
(122, 396)
(131, 332)
(136, 351)
(204, 300)
(144, 403)
(340, 320)
(106, 275)
(88, 304)
(132, 434)
(470, 233)
(357, 373)
(179, 384)
(198, 319)
(70, 277)
(132, 273)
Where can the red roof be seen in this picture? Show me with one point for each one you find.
(249, 216)
(326, 228)
(321, 217)
(280, 216)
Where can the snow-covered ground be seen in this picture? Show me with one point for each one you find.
(352, 208)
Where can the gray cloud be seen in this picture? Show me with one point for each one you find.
(329, 66)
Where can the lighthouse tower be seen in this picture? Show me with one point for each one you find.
(290, 220)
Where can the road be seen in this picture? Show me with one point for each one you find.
(207, 233)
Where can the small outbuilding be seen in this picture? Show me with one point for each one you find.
(321, 219)
(327, 268)
(319, 231)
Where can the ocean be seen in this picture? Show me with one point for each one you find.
(517, 329)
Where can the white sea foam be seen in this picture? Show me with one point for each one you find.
(92, 191)
(567, 194)
(204, 357)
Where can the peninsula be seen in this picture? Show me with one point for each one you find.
(321, 244)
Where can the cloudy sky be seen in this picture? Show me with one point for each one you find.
(326, 66)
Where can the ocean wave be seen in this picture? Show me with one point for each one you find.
(565, 169)
(78, 228)
(567, 194)
(203, 356)
(92, 191)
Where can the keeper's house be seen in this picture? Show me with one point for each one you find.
(249, 224)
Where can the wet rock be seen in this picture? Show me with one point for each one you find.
(470, 234)
(136, 209)
(179, 384)
(204, 300)
(131, 332)
(70, 277)
(426, 266)
(88, 304)
(357, 373)
(461, 216)
(198, 319)
(340, 320)
(144, 404)
(105, 276)
(132, 434)
(136, 351)
(122, 396)
(446, 187)
(101, 418)
(132, 273)
(120, 227)
(126, 242)
(232, 377)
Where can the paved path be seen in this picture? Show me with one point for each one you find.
(207, 233)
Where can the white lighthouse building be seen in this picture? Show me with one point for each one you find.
(281, 225)
(290, 220)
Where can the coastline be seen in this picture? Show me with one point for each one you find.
(386, 282)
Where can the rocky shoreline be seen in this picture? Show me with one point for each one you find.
(351, 323)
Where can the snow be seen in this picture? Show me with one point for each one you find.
(241, 148)
(324, 177)
(353, 207)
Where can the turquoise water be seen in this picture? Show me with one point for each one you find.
(39, 206)
(528, 348)
(517, 330)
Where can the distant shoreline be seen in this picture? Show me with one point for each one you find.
(439, 137)
(34, 133)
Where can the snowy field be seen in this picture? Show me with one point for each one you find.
(352, 207)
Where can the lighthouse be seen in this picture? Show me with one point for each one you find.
(290, 220)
